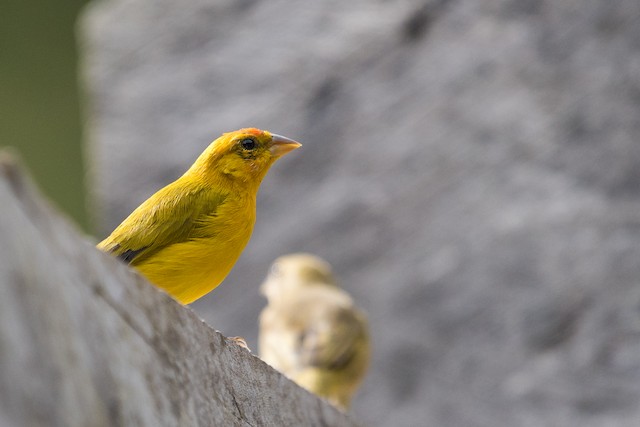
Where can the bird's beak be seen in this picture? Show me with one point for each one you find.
(281, 145)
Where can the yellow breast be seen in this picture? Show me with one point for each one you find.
(188, 270)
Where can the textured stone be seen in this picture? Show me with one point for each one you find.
(471, 170)
(84, 341)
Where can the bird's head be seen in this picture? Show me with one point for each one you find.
(244, 155)
(295, 271)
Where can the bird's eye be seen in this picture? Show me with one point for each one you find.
(276, 270)
(248, 144)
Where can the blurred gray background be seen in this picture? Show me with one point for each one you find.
(470, 169)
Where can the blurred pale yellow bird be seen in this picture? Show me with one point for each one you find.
(186, 237)
(311, 331)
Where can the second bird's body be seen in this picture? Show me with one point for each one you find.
(187, 236)
(311, 331)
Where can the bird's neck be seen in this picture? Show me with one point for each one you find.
(214, 178)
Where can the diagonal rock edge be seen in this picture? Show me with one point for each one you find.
(86, 341)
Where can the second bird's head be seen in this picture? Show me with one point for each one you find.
(244, 155)
(295, 272)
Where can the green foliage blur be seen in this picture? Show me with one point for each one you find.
(39, 108)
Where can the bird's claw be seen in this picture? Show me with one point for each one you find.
(241, 342)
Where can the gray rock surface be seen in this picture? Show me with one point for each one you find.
(471, 170)
(84, 341)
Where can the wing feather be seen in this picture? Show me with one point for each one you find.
(332, 343)
(172, 215)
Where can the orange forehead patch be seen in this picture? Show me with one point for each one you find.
(251, 131)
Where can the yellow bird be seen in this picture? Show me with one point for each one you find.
(311, 331)
(187, 236)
